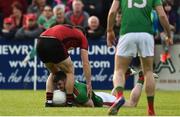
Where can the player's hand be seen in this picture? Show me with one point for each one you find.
(89, 90)
(111, 39)
(169, 41)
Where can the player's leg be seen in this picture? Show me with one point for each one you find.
(136, 92)
(121, 66)
(49, 90)
(45, 50)
(146, 51)
(134, 96)
(49, 83)
(67, 67)
(147, 65)
(126, 48)
(106, 98)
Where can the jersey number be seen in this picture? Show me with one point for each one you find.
(134, 4)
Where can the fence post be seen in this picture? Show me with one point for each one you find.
(35, 68)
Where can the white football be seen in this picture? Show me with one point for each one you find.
(59, 97)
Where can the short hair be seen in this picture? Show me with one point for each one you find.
(78, 0)
(165, 2)
(60, 75)
(59, 6)
(93, 18)
(48, 7)
(17, 5)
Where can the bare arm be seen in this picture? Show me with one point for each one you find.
(164, 21)
(86, 68)
(111, 21)
(112, 15)
(86, 65)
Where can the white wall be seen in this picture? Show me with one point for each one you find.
(168, 79)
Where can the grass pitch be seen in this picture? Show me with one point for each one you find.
(31, 103)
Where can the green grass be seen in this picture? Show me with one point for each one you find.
(28, 103)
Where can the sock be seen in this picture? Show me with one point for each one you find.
(150, 100)
(49, 97)
(141, 78)
(69, 99)
(119, 91)
(128, 73)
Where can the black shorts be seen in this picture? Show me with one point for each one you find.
(51, 50)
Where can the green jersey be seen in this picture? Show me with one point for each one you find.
(80, 93)
(136, 15)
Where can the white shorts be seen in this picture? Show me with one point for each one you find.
(131, 44)
(107, 98)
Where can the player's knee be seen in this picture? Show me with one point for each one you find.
(148, 70)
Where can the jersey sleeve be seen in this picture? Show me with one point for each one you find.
(157, 3)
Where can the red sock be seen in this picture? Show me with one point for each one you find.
(119, 94)
(141, 78)
(69, 100)
(150, 100)
(69, 97)
(128, 73)
(49, 96)
(119, 91)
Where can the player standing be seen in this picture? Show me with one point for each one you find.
(136, 36)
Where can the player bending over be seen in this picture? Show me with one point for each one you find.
(52, 48)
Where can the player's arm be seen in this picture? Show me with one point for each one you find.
(164, 22)
(111, 21)
(86, 68)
